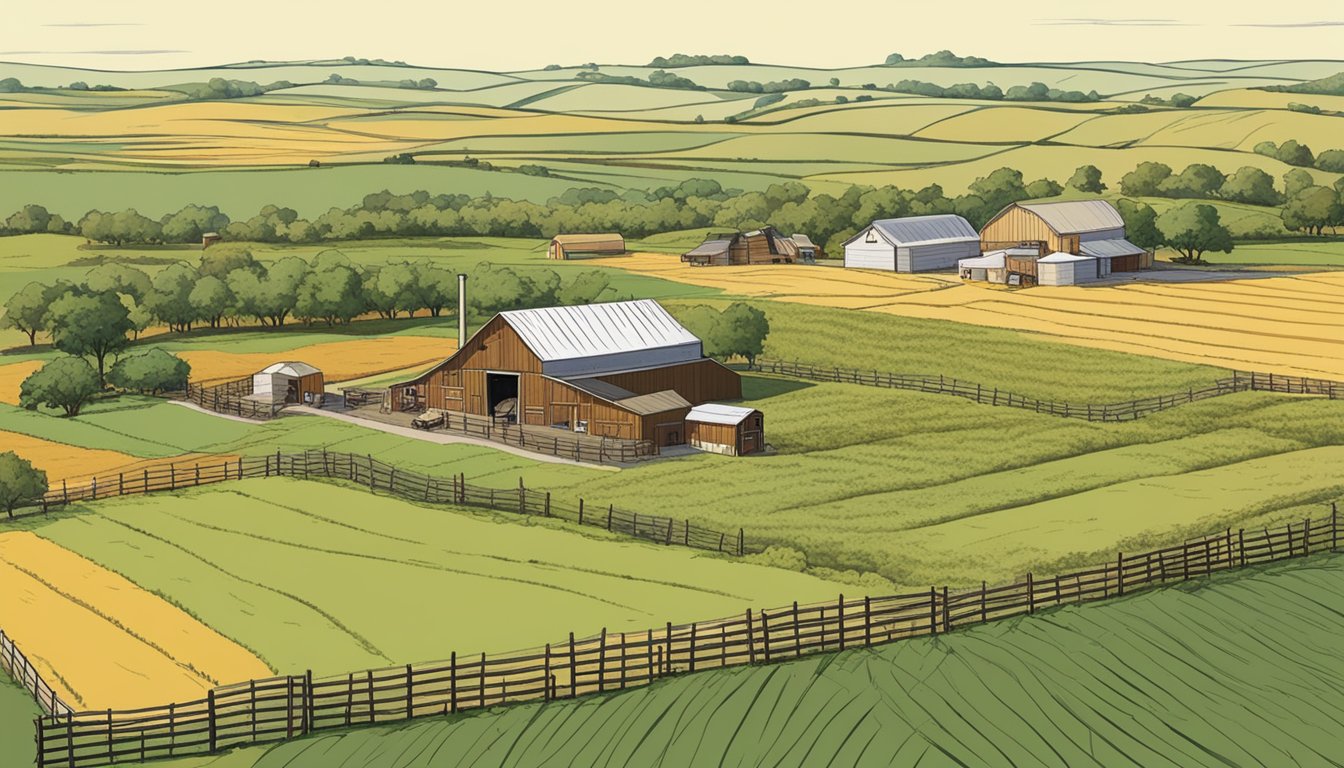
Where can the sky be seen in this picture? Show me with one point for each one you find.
(525, 34)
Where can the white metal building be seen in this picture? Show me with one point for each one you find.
(1067, 269)
(594, 339)
(289, 382)
(913, 244)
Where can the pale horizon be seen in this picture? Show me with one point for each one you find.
(527, 34)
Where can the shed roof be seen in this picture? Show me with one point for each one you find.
(715, 413)
(657, 402)
(991, 260)
(1062, 258)
(293, 368)
(572, 241)
(802, 240)
(925, 230)
(599, 388)
(1071, 217)
(1109, 249)
(594, 330)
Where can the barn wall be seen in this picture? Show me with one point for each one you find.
(879, 255)
(924, 258)
(1104, 234)
(1055, 274)
(310, 385)
(1018, 225)
(699, 382)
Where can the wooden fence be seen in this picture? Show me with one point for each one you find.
(230, 397)
(26, 675)
(595, 450)
(368, 472)
(289, 706)
(1240, 381)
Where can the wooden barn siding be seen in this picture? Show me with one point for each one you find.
(1021, 225)
(311, 384)
(702, 381)
(719, 434)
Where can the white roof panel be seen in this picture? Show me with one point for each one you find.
(714, 413)
(927, 230)
(1062, 258)
(293, 368)
(1109, 249)
(991, 260)
(593, 338)
(1071, 217)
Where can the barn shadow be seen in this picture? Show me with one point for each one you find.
(760, 387)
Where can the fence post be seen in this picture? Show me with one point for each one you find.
(277, 463)
(668, 540)
(690, 656)
(580, 510)
(933, 610)
(1031, 594)
(214, 727)
(947, 612)
(452, 682)
(867, 620)
(410, 691)
(751, 640)
(1306, 537)
(765, 635)
(573, 668)
(548, 504)
(602, 661)
(740, 543)
(1334, 526)
(1241, 545)
(65, 493)
(372, 483)
(309, 702)
(1119, 574)
(522, 497)
(984, 599)
(610, 509)
(41, 742)
(840, 605)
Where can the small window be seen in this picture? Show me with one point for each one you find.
(871, 237)
(581, 425)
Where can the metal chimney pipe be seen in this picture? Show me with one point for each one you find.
(461, 310)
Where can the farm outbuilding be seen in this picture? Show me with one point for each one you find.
(913, 244)
(759, 246)
(1067, 269)
(1089, 228)
(727, 429)
(565, 246)
(209, 238)
(290, 382)
(808, 251)
(626, 370)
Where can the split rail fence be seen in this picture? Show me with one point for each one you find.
(26, 675)
(594, 450)
(291, 706)
(1240, 381)
(230, 397)
(368, 472)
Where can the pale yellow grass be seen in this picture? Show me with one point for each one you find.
(1291, 325)
(338, 360)
(100, 640)
(74, 464)
(1005, 124)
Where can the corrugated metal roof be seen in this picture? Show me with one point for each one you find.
(293, 368)
(715, 413)
(604, 241)
(802, 240)
(927, 230)
(711, 248)
(599, 388)
(1062, 258)
(1072, 217)
(1109, 249)
(658, 402)
(992, 260)
(594, 330)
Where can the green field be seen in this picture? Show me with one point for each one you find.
(315, 576)
(1241, 669)
(17, 711)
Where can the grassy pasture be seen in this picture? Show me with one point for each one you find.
(1161, 678)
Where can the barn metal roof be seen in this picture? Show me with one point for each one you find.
(294, 368)
(803, 241)
(1109, 249)
(1072, 217)
(658, 402)
(991, 260)
(1062, 258)
(605, 337)
(710, 248)
(576, 241)
(715, 413)
(599, 388)
(925, 230)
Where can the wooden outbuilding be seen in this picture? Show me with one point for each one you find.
(726, 429)
(1089, 228)
(290, 383)
(210, 238)
(565, 246)
(913, 244)
(759, 246)
(625, 370)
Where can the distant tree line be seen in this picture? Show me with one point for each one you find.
(685, 60)
(1293, 152)
(14, 85)
(1326, 86)
(657, 79)
(942, 58)
(775, 86)
(217, 88)
(988, 92)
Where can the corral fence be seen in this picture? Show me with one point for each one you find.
(26, 675)
(374, 475)
(290, 706)
(593, 450)
(231, 397)
(1239, 381)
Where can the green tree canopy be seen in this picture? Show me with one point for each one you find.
(220, 260)
(170, 298)
(333, 294)
(1087, 178)
(66, 383)
(90, 324)
(1145, 180)
(20, 482)
(27, 309)
(154, 371)
(1193, 229)
(1000, 188)
(1313, 209)
(1251, 185)
(1140, 223)
(1295, 181)
(741, 331)
(118, 278)
(211, 299)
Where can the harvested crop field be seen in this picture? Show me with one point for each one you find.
(1290, 324)
(12, 376)
(100, 640)
(71, 463)
(338, 360)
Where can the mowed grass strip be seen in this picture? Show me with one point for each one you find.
(1160, 679)
(101, 641)
(317, 576)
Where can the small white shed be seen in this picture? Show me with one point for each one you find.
(913, 244)
(988, 268)
(1066, 269)
(290, 382)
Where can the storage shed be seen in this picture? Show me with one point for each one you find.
(1091, 228)
(808, 251)
(1066, 269)
(759, 246)
(563, 246)
(291, 382)
(913, 244)
(727, 429)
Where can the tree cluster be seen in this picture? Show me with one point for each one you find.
(940, 59)
(657, 79)
(686, 60)
(1295, 153)
(20, 482)
(991, 92)
(739, 330)
(774, 86)
(219, 88)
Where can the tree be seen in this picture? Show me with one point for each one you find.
(1087, 179)
(1295, 181)
(1000, 188)
(1193, 229)
(193, 221)
(154, 371)
(1331, 160)
(1197, 180)
(1293, 153)
(703, 321)
(1145, 179)
(66, 383)
(1043, 188)
(1140, 223)
(118, 278)
(128, 226)
(333, 294)
(94, 324)
(583, 289)
(438, 289)
(392, 289)
(1251, 185)
(170, 298)
(1183, 100)
(1313, 209)
(20, 482)
(29, 218)
(220, 260)
(27, 309)
(211, 299)
(741, 330)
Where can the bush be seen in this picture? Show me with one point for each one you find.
(66, 383)
(154, 371)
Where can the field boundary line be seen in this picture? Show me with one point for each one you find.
(1240, 381)
(291, 706)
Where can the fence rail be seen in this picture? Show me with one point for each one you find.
(1240, 381)
(594, 450)
(285, 707)
(26, 675)
(374, 475)
(230, 397)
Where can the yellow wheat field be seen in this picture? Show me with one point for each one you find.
(11, 378)
(100, 640)
(1290, 324)
(74, 464)
(338, 360)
